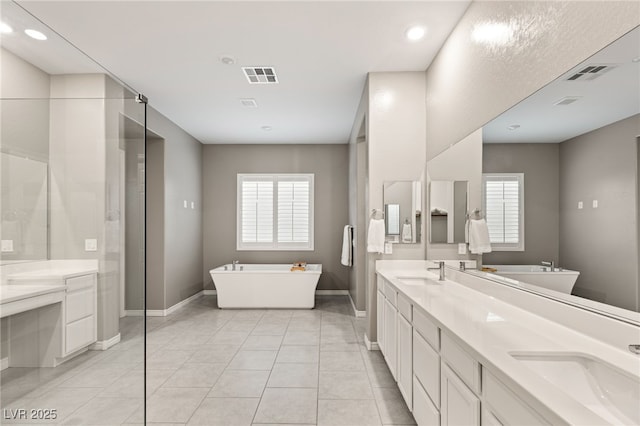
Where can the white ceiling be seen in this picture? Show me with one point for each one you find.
(321, 50)
(611, 97)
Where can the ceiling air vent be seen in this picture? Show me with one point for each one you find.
(567, 100)
(591, 72)
(249, 102)
(260, 75)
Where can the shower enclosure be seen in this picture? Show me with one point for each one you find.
(72, 170)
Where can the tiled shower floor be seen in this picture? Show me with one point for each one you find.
(207, 366)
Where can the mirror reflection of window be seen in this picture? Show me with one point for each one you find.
(392, 215)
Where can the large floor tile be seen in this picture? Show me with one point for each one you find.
(225, 412)
(301, 338)
(287, 405)
(253, 360)
(341, 361)
(173, 405)
(240, 383)
(224, 337)
(260, 342)
(131, 385)
(105, 411)
(194, 376)
(344, 385)
(293, 376)
(168, 359)
(392, 408)
(98, 377)
(348, 413)
(214, 354)
(298, 354)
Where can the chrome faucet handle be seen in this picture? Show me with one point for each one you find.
(463, 265)
(635, 349)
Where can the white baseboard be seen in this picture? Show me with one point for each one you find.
(103, 345)
(209, 292)
(168, 311)
(357, 313)
(372, 346)
(4, 363)
(332, 292)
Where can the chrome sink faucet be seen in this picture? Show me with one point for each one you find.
(439, 268)
(635, 349)
(463, 265)
(551, 265)
(233, 264)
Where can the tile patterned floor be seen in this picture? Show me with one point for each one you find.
(207, 366)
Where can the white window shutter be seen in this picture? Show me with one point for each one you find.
(257, 211)
(503, 205)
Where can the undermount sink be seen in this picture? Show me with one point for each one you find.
(417, 281)
(604, 389)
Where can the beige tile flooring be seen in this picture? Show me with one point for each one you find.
(207, 366)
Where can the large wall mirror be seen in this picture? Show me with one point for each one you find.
(24, 209)
(403, 211)
(577, 143)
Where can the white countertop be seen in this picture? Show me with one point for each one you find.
(13, 293)
(52, 273)
(493, 329)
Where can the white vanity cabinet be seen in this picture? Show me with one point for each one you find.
(52, 334)
(437, 374)
(405, 351)
(79, 313)
(391, 336)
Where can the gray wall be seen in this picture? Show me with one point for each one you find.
(329, 163)
(601, 243)
(540, 164)
(155, 207)
(182, 226)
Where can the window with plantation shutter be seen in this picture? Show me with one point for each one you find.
(275, 212)
(503, 201)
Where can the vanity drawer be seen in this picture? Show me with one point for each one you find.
(391, 294)
(404, 307)
(425, 413)
(465, 366)
(80, 303)
(426, 367)
(505, 405)
(83, 281)
(79, 334)
(426, 328)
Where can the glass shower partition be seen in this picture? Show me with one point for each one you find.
(72, 270)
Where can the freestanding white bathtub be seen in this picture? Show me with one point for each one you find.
(266, 286)
(561, 280)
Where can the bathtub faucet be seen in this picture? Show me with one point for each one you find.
(551, 265)
(440, 268)
(233, 264)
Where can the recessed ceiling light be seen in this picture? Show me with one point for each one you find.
(5, 29)
(636, 59)
(227, 60)
(415, 33)
(37, 35)
(514, 127)
(266, 128)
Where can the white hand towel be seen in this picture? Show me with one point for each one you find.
(375, 238)
(479, 237)
(347, 252)
(406, 233)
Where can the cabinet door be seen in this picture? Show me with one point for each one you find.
(458, 406)
(380, 321)
(391, 337)
(405, 360)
